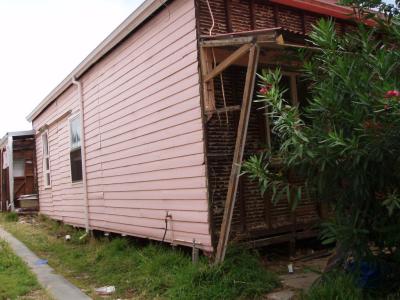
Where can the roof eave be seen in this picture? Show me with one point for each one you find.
(144, 11)
(329, 9)
(15, 133)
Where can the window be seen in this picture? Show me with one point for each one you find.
(19, 167)
(46, 160)
(75, 149)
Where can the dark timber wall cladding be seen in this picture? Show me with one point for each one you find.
(243, 15)
(24, 149)
(254, 215)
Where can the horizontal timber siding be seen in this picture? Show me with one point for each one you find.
(64, 200)
(144, 137)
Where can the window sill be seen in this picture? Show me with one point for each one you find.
(76, 183)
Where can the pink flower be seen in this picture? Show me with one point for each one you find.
(263, 90)
(392, 93)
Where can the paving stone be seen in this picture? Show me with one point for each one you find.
(281, 295)
(301, 281)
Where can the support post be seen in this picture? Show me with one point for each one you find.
(208, 87)
(238, 154)
(228, 15)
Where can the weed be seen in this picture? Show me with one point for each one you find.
(335, 286)
(241, 276)
(16, 280)
(11, 217)
(150, 271)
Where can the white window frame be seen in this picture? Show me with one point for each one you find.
(70, 119)
(47, 185)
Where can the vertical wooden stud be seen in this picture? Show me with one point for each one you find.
(228, 15)
(208, 87)
(252, 14)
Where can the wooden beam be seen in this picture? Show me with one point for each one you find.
(227, 62)
(228, 15)
(252, 14)
(225, 109)
(238, 154)
(228, 42)
(206, 63)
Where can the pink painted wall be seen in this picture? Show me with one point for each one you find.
(144, 137)
(63, 201)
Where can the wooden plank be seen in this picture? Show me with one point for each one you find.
(224, 109)
(251, 33)
(227, 41)
(238, 155)
(227, 62)
(206, 63)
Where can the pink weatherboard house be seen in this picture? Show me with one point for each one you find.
(145, 136)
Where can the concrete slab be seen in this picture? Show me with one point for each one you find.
(281, 295)
(300, 281)
(56, 285)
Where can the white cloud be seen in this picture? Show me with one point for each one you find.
(41, 41)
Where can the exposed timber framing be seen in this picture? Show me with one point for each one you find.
(229, 49)
(225, 109)
(227, 62)
(206, 62)
(238, 154)
(228, 13)
(253, 14)
(234, 41)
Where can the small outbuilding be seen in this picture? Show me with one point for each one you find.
(145, 137)
(18, 172)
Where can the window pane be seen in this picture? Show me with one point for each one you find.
(47, 164)
(47, 179)
(76, 165)
(45, 144)
(19, 167)
(75, 133)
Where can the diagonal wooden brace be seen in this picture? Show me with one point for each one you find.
(238, 154)
(227, 62)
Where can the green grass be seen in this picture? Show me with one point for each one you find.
(11, 217)
(150, 271)
(342, 286)
(16, 280)
(334, 286)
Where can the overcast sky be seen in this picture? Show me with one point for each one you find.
(42, 41)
